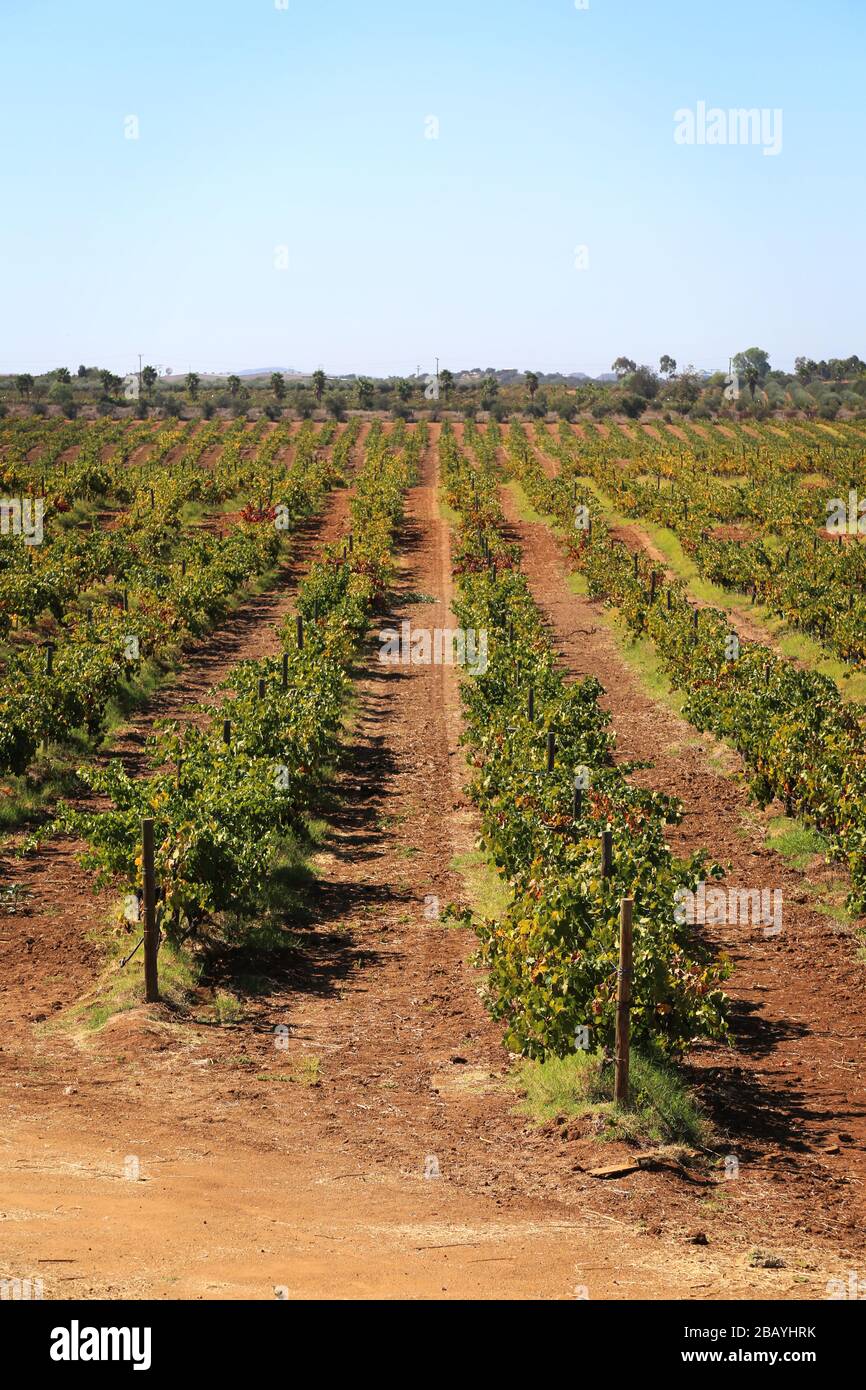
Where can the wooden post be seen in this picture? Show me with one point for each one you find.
(551, 750)
(623, 1002)
(49, 658)
(351, 543)
(530, 705)
(606, 853)
(577, 804)
(227, 731)
(285, 670)
(151, 941)
(262, 689)
(652, 588)
(669, 600)
(183, 567)
(695, 619)
(636, 562)
(299, 624)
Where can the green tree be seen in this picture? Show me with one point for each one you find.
(805, 368)
(643, 381)
(336, 405)
(667, 365)
(755, 357)
(531, 384)
(111, 384)
(320, 381)
(623, 365)
(149, 376)
(24, 385)
(234, 385)
(446, 382)
(193, 382)
(62, 375)
(278, 385)
(751, 375)
(404, 389)
(60, 392)
(366, 392)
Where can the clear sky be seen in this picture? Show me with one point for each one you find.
(297, 135)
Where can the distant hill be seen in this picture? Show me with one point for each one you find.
(246, 372)
(269, 371)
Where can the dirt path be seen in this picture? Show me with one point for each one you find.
(791, 1096)
(296, 1159)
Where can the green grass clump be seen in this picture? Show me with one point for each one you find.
(660, 1109)
(488, 893)
(795, 841)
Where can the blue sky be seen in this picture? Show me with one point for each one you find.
(304, 128)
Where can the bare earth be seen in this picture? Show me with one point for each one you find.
(302, 1168)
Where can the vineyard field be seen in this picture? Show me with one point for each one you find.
(389, 892)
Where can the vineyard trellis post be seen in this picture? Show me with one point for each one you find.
(606, 853)
(623, 1002)
(151, 939)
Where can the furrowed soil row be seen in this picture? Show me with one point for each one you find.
(302, 1166)
(51, 943)
(791, 1096)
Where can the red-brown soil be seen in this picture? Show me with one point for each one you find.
(301, 1167)
(791, 1093)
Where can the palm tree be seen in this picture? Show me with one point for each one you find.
(446, 381)
(489, 391)
(278, 385)
(234, 385)
(531, 384)
(149, 377)
(193, 382)
(320, 381)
